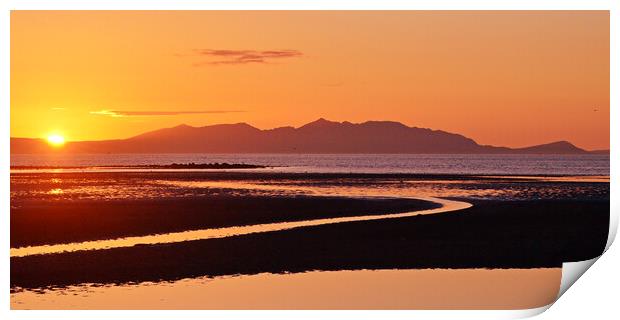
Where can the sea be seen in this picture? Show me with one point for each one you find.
(561, 165)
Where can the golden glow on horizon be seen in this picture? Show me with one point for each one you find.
(512, 78)
(56, 140)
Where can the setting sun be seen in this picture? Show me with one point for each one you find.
(56, 140)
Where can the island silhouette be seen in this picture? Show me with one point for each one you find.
(320, 136)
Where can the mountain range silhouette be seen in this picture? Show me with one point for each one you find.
(320, 136)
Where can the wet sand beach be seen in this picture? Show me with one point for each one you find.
(521, 234)
(510, 223)
(519, 224)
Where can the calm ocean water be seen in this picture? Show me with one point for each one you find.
(358, 163)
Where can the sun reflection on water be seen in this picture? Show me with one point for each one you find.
(56, 191)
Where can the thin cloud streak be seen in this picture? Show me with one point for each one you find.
(236, 57)
(123, 113)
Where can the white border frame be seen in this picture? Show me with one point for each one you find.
(8, 5)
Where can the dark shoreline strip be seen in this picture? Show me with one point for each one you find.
(55, 222)
(492, 234)
(191, 165)
(217, 233)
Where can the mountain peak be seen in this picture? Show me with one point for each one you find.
(560, 144)
(182, 126)
(319, 123)
(394, 124)
(245, 125)
(557, 147)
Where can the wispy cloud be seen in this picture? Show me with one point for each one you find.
(235, 57)
(124, 113)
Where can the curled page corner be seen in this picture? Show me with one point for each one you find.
(571, 271)
(613, 225)
(528, 313)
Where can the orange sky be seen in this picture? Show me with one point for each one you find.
(501, 78)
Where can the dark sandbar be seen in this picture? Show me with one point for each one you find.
(65, 221)
(492, 234)
(191, 165)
